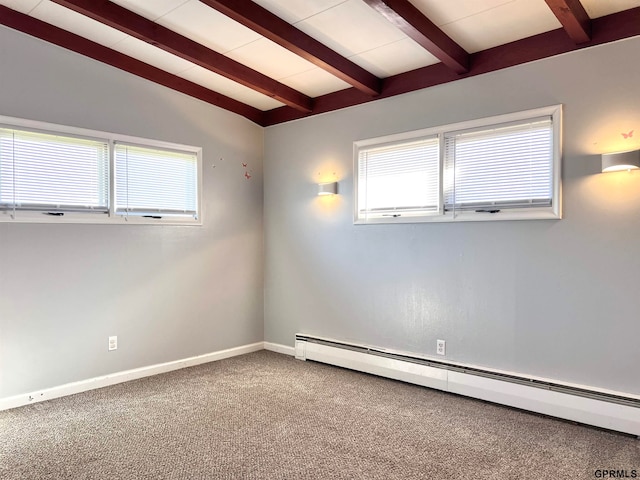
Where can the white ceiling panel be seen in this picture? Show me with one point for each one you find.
(270, 59)
(315, 82)
(295, 10)
(207, 26)
(227, 87)
(79, 24)
(441, 13)
(22, 6)
(394, 58)
(351, 28)
(600, 8)
(152, 55)
(151, 9)
(506, 23)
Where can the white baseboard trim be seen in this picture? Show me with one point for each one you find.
(125, 376)
(279, 348)
(589, 411)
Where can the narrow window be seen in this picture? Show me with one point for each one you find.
(152, 182)
(59, 174)
(501, 167)
(52, 173)
(399, 179)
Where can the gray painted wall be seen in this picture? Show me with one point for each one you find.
(167, 292)
(557, 299)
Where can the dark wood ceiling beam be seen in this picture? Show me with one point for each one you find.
(573, 18)
(141, 28)
(605, 29)
(262, 21)
(44, 31)
(414, 24)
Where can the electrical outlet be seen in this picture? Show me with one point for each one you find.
(440, 347)
(113, 343)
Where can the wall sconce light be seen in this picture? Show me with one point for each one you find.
(330, 188)
(614, 162)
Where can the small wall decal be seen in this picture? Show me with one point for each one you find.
(627, 135)
(247, 175)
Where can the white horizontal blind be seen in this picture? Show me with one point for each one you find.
(53, 173)
(155, 182)
(504, 166)
(399, 178)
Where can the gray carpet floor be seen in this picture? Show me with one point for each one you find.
(266, 415)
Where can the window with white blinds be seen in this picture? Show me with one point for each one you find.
(499, 168)
(505, 166)
(155, 182)
(54, 173)
(399, 178)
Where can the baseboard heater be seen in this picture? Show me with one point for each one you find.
(583, 405)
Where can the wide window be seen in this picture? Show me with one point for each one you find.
(51, 173)
(500, 168)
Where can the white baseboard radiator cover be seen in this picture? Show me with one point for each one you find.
(579, 404)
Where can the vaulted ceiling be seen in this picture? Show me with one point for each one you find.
(277, 60)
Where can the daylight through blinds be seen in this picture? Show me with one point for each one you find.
(155, 182)
(50, 172)
(504, 166)
(399, 178)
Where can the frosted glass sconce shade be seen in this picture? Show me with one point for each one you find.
(330, 188)
(613, 162)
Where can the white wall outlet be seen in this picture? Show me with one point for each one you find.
(440, 347)
(113, 343)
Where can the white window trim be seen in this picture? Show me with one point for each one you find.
(554, 212)
(111, 217)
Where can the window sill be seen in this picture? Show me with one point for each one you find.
(469, 216)
(94, 218)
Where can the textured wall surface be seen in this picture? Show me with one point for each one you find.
(551, 298)
(167, 292)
